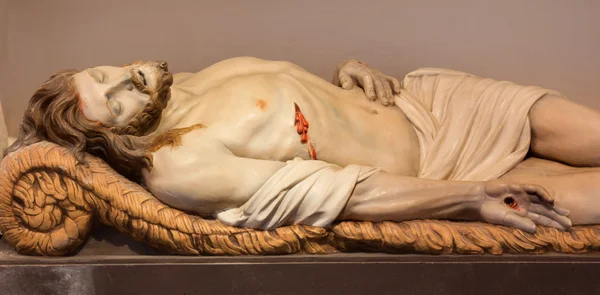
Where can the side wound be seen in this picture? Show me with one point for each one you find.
(302, 128)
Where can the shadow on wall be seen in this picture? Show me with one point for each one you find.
(4, 140)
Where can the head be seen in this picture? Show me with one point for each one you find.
(105, 111)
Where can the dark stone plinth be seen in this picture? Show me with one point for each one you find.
(113, 264)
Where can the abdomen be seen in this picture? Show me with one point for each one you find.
(256, 117)
(345, 128)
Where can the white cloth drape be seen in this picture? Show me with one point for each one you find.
(302, 192)
(469, 128)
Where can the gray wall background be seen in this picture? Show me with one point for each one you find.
(3, 26)
(551, 43)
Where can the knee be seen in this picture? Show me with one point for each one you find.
(564, 131)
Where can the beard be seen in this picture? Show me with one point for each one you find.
(150, 115)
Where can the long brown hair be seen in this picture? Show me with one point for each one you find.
(53, 115)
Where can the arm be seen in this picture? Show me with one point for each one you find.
(396, 198)
(391, 197)
(257, 192)
(205, 177)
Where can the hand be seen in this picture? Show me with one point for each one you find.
(521, 206)
(375, 84)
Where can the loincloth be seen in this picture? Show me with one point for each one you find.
(469, 128)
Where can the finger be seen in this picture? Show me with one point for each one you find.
(361, 64)
(395, 84)
(380, 91)
(560, 210)
(346, 81)
(367, 85)
(545, 221)
(519, 222)
(388, 91)
(539, 191)
(544, 210)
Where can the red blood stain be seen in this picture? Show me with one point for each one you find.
(261, 104)
(512, 203)
(302, 128)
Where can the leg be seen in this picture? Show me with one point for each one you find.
(576, 189)
(565, 131)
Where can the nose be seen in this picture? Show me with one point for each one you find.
(163, 65)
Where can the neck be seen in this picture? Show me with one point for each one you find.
(169, 117)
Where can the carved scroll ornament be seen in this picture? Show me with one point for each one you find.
(48, 203)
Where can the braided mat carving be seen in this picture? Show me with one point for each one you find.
(48, 203)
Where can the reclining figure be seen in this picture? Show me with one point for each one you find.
(262, 144)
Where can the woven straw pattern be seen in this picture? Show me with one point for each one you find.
(48, 202)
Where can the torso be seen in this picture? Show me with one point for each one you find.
(249, 107)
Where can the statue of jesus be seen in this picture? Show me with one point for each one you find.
(262, 144)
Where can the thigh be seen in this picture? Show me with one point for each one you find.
(577, 189)
(565, 131)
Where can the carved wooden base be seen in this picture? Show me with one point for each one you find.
(113, 264)
(48, 203)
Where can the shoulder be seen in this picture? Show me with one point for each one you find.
(177, 148)
(180, 154)
(248, 62)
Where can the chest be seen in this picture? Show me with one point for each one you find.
(252, 117)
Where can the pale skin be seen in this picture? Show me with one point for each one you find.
(247, 106)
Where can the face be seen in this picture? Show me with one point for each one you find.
(113, 96)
